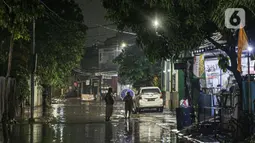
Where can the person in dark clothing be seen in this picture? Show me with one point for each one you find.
(128, 105)
(109, 105)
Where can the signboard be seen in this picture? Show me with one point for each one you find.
(87, 97)
(180, 66)
(106, 77)
(87, 82)
(199, 66)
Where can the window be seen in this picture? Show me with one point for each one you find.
(150, 90)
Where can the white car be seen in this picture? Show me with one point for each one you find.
(148, 98)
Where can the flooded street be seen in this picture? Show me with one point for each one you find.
(83, 122)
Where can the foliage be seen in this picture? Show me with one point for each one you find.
(155, 81)
(223, 62)
(15, 15)
(60, 43)
(135, 68)
(184, 25)
(251, 139)
(15, 18)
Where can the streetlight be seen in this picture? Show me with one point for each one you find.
(156, 23)
(123, 45)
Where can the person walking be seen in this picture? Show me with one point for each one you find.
(128, 105)
(109, 105)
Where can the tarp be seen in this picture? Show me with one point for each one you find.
(124, 93)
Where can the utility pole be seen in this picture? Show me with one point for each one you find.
(249, 84)
(172, 83)
(33, 69)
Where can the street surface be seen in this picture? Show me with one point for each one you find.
(74, 121)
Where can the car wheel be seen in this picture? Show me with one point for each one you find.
(137, 110)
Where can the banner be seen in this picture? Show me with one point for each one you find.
(199, 66)
(242, 45)
(196, 66)
(202, 66)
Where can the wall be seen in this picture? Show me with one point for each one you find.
(37, 94)
(178, 85)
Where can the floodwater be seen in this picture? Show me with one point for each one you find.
(74, 121)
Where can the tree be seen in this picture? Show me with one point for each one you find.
(136, 69)
(60, 41)
(185, 25)
(60, 38)
(15, 15)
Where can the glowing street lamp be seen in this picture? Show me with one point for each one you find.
(155, 23)
(123, 45)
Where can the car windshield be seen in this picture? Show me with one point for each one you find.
(150, 90)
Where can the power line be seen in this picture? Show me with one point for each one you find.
(125, 32)
(101, 26)
(59, 16)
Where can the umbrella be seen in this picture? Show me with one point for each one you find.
(125, 91)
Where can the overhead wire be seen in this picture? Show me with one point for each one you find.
(88, 28)
(98, 25)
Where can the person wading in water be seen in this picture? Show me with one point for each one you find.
(128, 105)
(109, 105)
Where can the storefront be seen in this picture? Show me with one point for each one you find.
(206, 69)
(216, 78)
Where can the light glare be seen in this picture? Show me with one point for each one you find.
(123, 45)
(250, 48)
(156, 23)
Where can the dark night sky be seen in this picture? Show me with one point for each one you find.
(94, 13)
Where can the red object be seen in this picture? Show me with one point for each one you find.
(184, 103)
(75, 84)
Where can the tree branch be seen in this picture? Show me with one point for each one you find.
(7, 5)
(216, 44)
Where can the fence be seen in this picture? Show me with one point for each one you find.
(8, 100)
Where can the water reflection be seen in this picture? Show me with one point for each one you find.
(108, 132)
(84, 123)
(129, 131)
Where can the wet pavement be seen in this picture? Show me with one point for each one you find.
(83, 122)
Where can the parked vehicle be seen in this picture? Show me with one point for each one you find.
(148, 99)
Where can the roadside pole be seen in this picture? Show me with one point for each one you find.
(33, 69)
